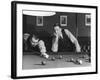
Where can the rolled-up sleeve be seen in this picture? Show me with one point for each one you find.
(73, 40)
(42, 46)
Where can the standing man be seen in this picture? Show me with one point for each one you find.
(64, 39)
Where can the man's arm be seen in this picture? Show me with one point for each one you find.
(73, 40)
(42, 48)
(55, 43)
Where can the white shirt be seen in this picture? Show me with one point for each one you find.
(58, 34)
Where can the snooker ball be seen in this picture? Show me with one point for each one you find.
(71, 60)
(53, 58)
(60, 57)
(78, 61)
(88, 60)
(43, 62)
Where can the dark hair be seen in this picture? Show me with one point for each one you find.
(30, 38)
(36, 37)
(57, 24)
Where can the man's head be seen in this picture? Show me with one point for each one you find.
(57, 27)
(26, 36)
(34, 38)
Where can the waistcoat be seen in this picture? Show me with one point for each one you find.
(65, 43)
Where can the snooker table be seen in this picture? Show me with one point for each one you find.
(32, 60)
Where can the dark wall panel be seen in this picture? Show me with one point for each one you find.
(83, 30)
(74, 21)
(48, 23)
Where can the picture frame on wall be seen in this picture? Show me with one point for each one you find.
(39, 20)
(63, 20)
(88, 20)
(26, 16)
